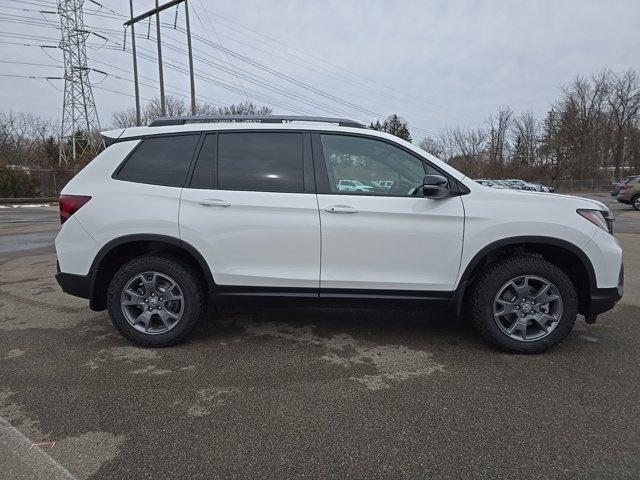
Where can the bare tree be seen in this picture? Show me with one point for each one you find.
(498, 141)
(177, 107)
(21, 135)
(623, 98)
(525, 139)
(468, 149)
(434, 146)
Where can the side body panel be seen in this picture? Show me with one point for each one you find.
(259, 239)
(391, 243)
(118, 208)
(492, 215)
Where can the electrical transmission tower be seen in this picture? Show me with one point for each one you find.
(79, 117)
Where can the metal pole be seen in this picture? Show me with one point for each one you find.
(135, 67)
(193, 83)
(163, 107)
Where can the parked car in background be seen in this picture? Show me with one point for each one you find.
(512, 185)
(502, 183)
(489, 183)
(615, 188)
(523, 185)
(630, 193)
(353, 186)
(543, 188)
(383, 183)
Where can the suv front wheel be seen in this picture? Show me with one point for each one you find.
(155, 300)
(523, 304)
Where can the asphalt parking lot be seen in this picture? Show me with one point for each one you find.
(289, 393)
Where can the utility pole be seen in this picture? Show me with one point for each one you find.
(135, 66)
(163, 105)
(193, 85)
(79, 117)
(156, 11)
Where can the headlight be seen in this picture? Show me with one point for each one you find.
(599, 218)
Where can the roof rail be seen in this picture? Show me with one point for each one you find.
(165, 121)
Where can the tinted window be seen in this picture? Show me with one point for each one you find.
(366, 166)
(260, 161)
(203, 173)
(160, 161)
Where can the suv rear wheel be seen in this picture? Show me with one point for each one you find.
(523, 304)
(156, 301)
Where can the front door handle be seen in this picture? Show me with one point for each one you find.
(340, 209)
(214, 202)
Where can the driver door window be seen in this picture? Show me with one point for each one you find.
(365, 166)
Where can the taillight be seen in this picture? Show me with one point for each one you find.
(70, 204)
(624, 187)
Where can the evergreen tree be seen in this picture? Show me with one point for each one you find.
(394, 125)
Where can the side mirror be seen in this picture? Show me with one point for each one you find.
(435, 187)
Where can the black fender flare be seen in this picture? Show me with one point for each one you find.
(166, 239)
(465, 278)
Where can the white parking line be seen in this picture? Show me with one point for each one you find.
(19, 459)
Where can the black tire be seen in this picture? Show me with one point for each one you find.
(193, 289)
(635, 203)
(487, 285)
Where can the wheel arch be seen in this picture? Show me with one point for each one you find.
(565, 255)
(120, 250)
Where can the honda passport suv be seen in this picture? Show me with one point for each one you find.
(192, 211)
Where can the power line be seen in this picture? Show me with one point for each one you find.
(215, 31)
(361, 79)
(234, 71)
(269, 85)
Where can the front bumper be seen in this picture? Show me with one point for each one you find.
(604, 299)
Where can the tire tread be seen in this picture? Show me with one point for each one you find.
(486, 283)
(171, 263)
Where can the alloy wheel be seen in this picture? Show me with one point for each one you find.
(527, 308)
(152, 302)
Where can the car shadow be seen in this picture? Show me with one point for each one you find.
(381, 326)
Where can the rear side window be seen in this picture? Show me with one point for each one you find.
(261, 161)
(160, 161)
(204, 171)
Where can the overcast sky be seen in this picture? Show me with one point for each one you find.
(437, 63)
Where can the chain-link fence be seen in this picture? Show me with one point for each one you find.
(51, 182)
(594, 185)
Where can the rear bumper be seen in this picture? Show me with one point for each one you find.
(76, 285)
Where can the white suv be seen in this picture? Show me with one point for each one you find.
(193, 209)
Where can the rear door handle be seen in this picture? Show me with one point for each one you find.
(214, 202)
(340, 209)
